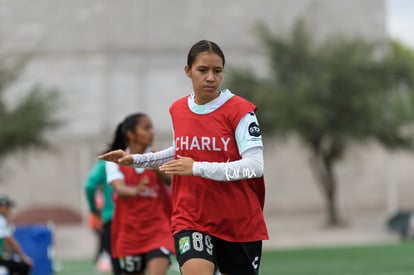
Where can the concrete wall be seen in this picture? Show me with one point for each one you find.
(111, 58)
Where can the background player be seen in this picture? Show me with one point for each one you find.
(142, 238)
(7, 240)
(97, 180)
(217, 163)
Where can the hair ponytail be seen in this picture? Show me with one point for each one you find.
(118, 142)
(129, 124)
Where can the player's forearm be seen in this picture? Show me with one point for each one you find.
(126, 193)
(95, 179)
(249, 166)
(90, 198)
(154, 160)
(123, 190)
(14, 245)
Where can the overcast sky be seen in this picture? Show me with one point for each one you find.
(400, 20)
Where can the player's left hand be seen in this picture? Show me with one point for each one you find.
(182, 166)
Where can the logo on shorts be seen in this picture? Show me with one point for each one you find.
(184, 244)
(255, 263)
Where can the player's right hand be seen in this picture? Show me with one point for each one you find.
(118, 156)
(142, 186)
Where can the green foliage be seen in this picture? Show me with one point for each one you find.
(330, 94)
(23, 126)
(339, 90)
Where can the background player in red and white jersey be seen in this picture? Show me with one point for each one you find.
(141, 235)
(217, 167)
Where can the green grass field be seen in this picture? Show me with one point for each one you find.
(395, 259)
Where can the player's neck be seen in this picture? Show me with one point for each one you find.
(137, 148)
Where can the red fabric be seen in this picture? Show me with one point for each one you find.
(142, 223)
(232, 211)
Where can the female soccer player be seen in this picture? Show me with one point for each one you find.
(217, 167)
(141, 229)
(97, 179)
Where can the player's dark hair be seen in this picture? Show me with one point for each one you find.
(129, 124)
(201, 47)
(118, 142)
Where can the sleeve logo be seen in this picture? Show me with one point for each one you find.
(254, 129)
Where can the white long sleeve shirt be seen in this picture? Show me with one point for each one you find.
(248, 139)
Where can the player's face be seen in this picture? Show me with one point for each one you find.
(5, 210)
(144, 132)
(206, 74)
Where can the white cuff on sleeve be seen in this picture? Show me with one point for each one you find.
(197, 168)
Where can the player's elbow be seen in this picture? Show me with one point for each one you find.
(253, 161)
(257, 166)
(256, 169)
(89, 188)
(259, 170)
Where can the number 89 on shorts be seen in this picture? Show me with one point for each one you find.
(198, 242)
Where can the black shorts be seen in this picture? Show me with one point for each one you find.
(230, 258)
(15, 267)
(137, 263)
